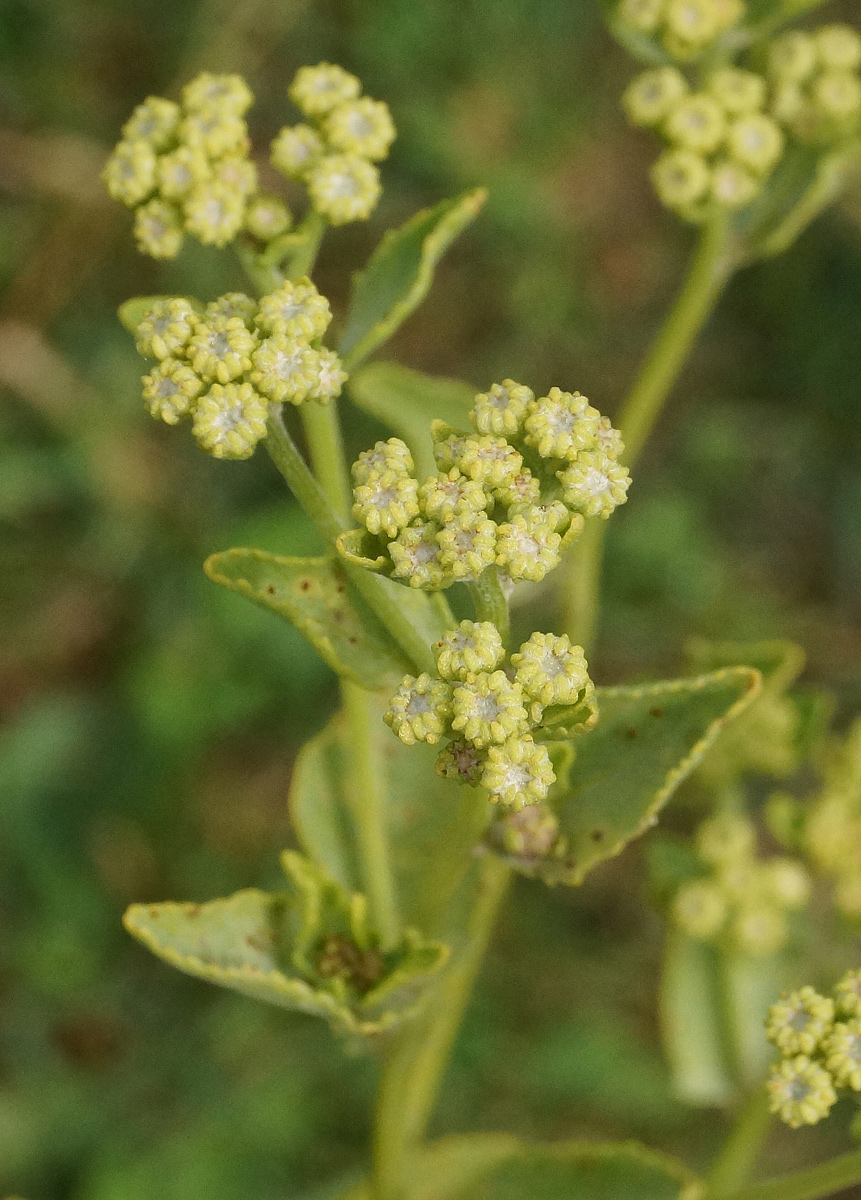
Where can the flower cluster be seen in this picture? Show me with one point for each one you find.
(334, 152)
(184, 168)
(512, 494)
(815, 83)
(742, 899)
(490, 710)
(226, 364)
(685, 28)
(832, 831)
(722, 145)
(819, 1039)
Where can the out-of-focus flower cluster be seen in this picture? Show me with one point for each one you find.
(334, 152)
(743, 900)
(815, 83)
(491, 708)
(722, 144)
(819, 1039)
(832, 830)
(184, 168)
(683, 28)
(226, 364)
(512, 494)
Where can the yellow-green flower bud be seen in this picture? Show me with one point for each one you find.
(792, 57)
(836, 96)
(737, 92)
(170, 390)
(230, 420)
(700, 909)
(419, 710)
(472, 647)
(680, 178)
(528, 547)
(726, 838)
(490, 461)
(802, 1092)
(214, 213)
(330, 376)
(317, 90)
(488, 708)
(295, 310)
(732, 185)
(756, 142)
(848, 994)
(842, 1053)
(443, 497)
(232, 304)
(528, 833)
(215, 132)
(393, 455)
(130, 173)
(284, 369)
(221, 349)
(550, 670)
(696, 123)
(523, 492)
(415, 554)
(158, 229)
(759, 930)
(344, 187)
(467, 545)
(653, 94)
(266, 215)
(228, 93)
(518, 772)
(789, 104)
(594, 484)
(787, 882)
(237, 173)
(644, 16)
(800, 1021)
(460, 761)
(362, 127)
(295, 149)
(180, 171)
(155, 121)
(501, 409)
(838, 47)
(166, 329)
(387, 503)
(693, 23)
(561, 424)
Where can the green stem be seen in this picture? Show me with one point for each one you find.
(325, 445)
(710, 270)
(302, 260)
(813, 1184)
(490, 602)
(740, 1151)
(414, 1068)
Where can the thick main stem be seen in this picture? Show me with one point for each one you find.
(813, 1184)
(709, 272)
(738, 1156)
(490, 602)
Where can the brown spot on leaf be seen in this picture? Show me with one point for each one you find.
(597, 835)
(631, 733)
(271, 590)
(656, 712)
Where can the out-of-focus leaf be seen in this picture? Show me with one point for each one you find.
(647, 740)
(312, 594)
(133, 311)
(496, 1167)
(691, 1022)
(407, 401)
(432, 823)
(399, 273)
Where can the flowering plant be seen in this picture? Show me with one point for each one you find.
(498, 758)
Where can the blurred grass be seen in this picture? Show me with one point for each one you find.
(149, 721)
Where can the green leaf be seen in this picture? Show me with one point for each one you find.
(312, 593)
(432, 823)
(779, 661)
(270, 947)
(399, 273)
(407, 401)
(691, 1022)
(499, 1167)
(647, 740)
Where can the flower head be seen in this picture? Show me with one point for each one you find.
(221, 348)
(155, 121)
(696, 123)
(214, 213)
(756, 142)
(528, 832)
(467, 543)
(363, 127)
(215, 131)
(226, 93)
(419, 710)
(700, 909)
(653, 94)
(490, 461)
(594, 484)
(518, 772)
(237, 173)
(725, 838)
(171, 388)
(416, 556)
(387, 503)
(738, 92)
(787, 882)
(266, 216)
(285, 369)
(792, 57)
(528, 546)
(158, 229)
(732, 185)
(472, 647)
(166, 329)
(848, 994)
(130, 172)
(561, 424)
(802, 1092)
(179, 172)
(681, 178)
(842, 1052)
(344, 187)
(800, 1021)
(393, 455)
(460, 761)
(330, 376)
(295, 310)
(838, 47)
(759, 929)
(295, 149)
(445, 496)
(488, 709)
(500, 410)
(229, 420)
(317, 90)
(551, 670)
(231, 304)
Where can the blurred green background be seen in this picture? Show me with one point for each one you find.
(150, 722)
